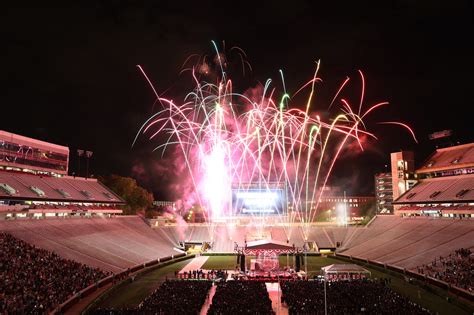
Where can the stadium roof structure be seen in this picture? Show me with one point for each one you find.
(12, 137)
(450, 189)
(268, 244)
(24, 153)
(28, 187)
(278, 247)
(449, 158)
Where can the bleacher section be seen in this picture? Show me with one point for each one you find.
(118, 243)
(403, 242)
(441, 190)
(445, 185)
(457, 157)
(410, 242)
(111, 244)
(44, 188)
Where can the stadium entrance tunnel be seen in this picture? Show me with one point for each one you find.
(327, 251)
(193, 247)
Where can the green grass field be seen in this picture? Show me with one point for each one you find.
(432, 299)
(220, 262)
(131, 294)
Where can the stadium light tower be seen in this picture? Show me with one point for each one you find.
(325, 297)
(345, 209)
(88, 156)
(79, 154)
(305, 248)
(278, 296)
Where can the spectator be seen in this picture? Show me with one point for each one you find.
(346, 297)
(35, 281)
(177, 297)
(172, 297)
(457, 269)
(241, 297)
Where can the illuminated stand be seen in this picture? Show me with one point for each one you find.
(266, 265)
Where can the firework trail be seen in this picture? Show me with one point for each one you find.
(229, 139)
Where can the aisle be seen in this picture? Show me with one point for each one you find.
(274, 292)
(208, 302)
(195, 264)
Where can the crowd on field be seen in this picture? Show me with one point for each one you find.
(177, 297)
(172, 297)
(241, 297)
(346, 297)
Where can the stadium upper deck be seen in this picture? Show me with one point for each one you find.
(33, 179)
(446, 185)
(449, 161)
(459, 189)
(20, 186)
(28, 154)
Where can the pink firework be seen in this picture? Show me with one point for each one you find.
(229, 139)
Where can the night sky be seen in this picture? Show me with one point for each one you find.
(69, 75)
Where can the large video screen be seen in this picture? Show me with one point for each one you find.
(258, 201)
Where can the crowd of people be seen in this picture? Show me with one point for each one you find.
(177, 297)
(346, 297)
(457, 269)
(35, 281)
(241, 297)
(200, 274)
(172, 297)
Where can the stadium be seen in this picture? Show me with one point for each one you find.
(72, 231)
(149, 166)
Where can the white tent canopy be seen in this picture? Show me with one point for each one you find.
(348, 270)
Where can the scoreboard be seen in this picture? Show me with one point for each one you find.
(250, 199)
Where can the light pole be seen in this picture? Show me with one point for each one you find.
(88, 156)
(79, 154)
(278, 294)
(287, 256)
(345, 209)
(306, 259)
(325, 298)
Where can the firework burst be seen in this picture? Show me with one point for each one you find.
(229, 139)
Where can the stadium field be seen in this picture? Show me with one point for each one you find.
(132, 293)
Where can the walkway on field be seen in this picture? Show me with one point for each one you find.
(195, 264)
(208, 302)
(274, 292)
